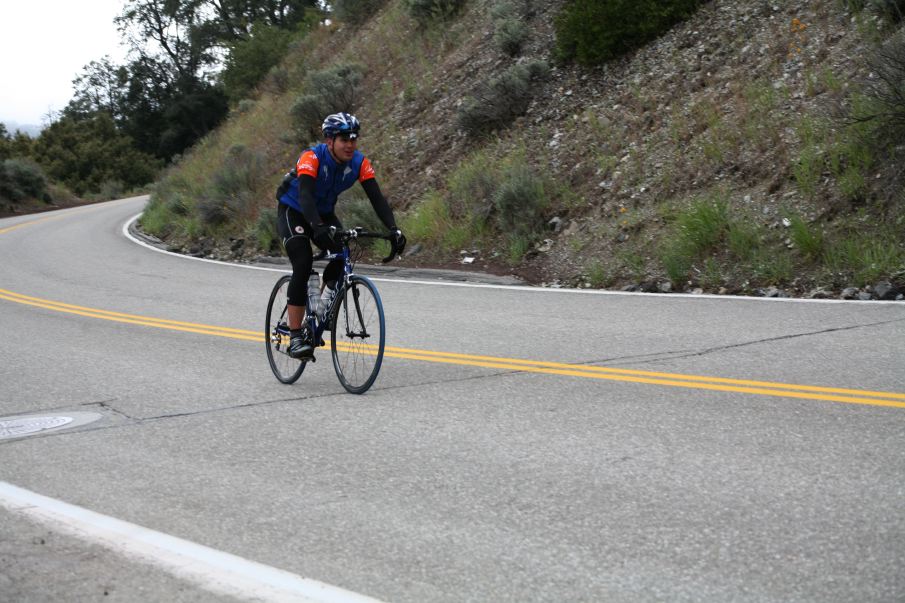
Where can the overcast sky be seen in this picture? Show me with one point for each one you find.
(44, 44)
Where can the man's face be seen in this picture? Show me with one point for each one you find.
(343, 146)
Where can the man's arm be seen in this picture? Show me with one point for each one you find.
(306, 200)
(379, 203)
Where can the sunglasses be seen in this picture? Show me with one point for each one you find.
(347, 137)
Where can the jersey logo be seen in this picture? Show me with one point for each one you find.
(367, 170)
(307, 164)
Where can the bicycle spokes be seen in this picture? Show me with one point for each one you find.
(356, 356)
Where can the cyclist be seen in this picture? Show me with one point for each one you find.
(307, 200)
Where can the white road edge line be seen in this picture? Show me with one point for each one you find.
(684, 296)
(210, 569)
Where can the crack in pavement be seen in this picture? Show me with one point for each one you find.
(678, 354)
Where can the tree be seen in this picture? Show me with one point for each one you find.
(86, 153)
(250, 59)
(171, 30)
(102, 86)
(234, 20)
(6, 147)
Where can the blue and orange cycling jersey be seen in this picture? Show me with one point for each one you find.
(331, 178)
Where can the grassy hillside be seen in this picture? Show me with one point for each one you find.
(725, 156)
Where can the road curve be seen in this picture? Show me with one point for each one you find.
(519, 445)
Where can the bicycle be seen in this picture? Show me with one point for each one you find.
(355, 320)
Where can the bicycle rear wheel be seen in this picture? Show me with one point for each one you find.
(276, 336)
(358, 335)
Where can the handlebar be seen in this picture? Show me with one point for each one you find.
(345, 236)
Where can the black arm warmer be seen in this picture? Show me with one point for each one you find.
(306, 200)
(379, 203)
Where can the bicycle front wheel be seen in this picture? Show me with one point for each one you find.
(276, 335)
(358, 335)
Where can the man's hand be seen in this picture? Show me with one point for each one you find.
(398, 241)
(323, 238)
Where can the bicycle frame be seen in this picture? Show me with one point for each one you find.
(315, 325)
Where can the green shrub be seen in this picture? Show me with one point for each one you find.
(330, 91)
(277, 80)
(704, 224)
(509, 35)
(485, 194)
(246, 105)
(677, 259)
(772, 268)
(707, 228)
(866, 258)
(430, 222)
(22, 179)
(427, 11)
(891, 10)
(356, 210)
(156, 219)
(111, 189)
(809, 241)
(230, 194)
(356, 12)
(595, 31)
(265, 230)
(496, 103)
(471, 189)
(744, 239)
(886, 93)
(807, 170)
(520, 200)
(517, 246)
(510, 28)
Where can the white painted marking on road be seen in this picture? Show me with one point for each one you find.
(439, 283)
(210, 569)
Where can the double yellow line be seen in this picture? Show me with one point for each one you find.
(132, 319)
(763, 388)
(28, 223)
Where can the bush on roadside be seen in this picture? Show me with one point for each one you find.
(510, 34)
(230, 194)
(595, 31)
(497, 102)
(265, 230)
(892, 11)
(329, 91)
(520, 200)
(356, 12)
(489, 200)
(887, 90)
(510, 28)
(22, 179)
(429, 11)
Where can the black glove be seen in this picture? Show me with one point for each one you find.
(398, 241)
(323, 238)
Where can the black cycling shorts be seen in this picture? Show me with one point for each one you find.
(295, 234)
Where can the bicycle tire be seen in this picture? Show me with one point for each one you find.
(276, 336)
(356, 349)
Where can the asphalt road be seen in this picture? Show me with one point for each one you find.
(519, 445)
